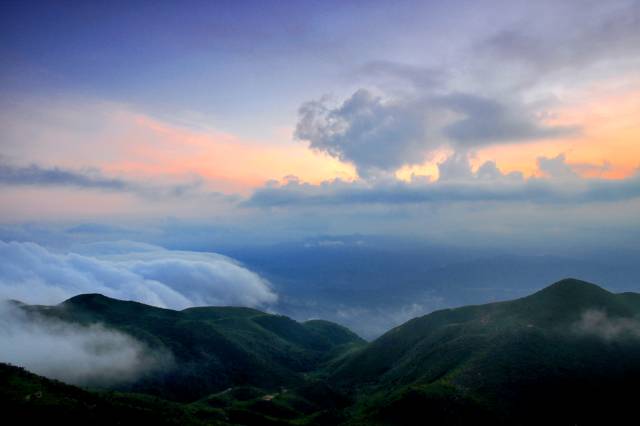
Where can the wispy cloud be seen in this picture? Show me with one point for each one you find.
(598, 323)
(92, 179)
(36, 175)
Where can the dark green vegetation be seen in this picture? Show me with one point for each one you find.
(213, 348)
(29, 399)
(569, 354)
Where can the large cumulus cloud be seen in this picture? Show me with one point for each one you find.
(372, 133)
(383, 134)
(501, 88)
(145, 273)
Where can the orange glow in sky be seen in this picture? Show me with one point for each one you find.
(607, 147)
(610, 137)
(231, 164)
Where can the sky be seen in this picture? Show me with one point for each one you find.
(198, 125)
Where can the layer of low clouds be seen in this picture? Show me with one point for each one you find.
(457, 183)
(125, 270)
(81, 355)
(145, 273)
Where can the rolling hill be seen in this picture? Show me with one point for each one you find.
(30, 399)
(568, 354)
(211, 348)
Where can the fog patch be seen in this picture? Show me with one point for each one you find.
(80, 355)
(597, 323)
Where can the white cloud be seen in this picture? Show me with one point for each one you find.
(82, 355)
(598, 323)
(145, 273)
(382, 134)
(372, 133)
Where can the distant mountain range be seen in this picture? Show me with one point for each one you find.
(568, 354)
(371, 284)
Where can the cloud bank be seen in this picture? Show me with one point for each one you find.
(457, 183)
(81, 355)
(144, 273)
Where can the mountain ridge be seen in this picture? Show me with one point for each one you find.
(213, 348)
(567, 354)
(496, 355)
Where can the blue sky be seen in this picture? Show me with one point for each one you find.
(323, 117)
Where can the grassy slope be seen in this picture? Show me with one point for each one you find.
(522, 361)
(214, 348)
(30, 399)
(526, 361)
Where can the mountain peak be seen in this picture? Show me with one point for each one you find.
(84, 298)
(572, 288)
(573, 283)
(96, 304)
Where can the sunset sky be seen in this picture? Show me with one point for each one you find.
(506, 120)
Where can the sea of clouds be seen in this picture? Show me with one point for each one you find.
(96, 355)
(131, 271)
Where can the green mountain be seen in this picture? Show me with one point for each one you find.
(29, 399)
(569, 354)
(212, 348)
